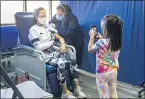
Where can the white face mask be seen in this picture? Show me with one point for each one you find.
(43, 21)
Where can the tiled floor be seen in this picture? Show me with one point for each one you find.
(124, 90)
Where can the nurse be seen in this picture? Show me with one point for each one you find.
(68, 27)
(42, 37)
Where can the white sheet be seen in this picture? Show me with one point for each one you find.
(28, 89)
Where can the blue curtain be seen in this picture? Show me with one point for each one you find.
(132, 54)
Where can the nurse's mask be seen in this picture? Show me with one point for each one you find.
(59, 17)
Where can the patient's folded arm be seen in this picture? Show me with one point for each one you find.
(43, 46)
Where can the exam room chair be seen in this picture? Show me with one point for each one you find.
(27, 59)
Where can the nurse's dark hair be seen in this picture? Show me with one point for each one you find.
(114, 25)
(36, 13)
(64, 8)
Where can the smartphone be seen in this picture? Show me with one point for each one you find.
(94, 28)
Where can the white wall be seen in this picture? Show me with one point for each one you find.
(54, 5)
(9, 8)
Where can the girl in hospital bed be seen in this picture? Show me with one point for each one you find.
(107, 50)
(42, 36)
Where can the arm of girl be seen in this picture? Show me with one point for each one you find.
(91, 41)
(94, 47)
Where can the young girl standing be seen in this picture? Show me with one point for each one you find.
(107, 50)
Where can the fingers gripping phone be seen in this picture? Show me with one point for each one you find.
(94, 28)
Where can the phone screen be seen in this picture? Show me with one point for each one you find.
(94, 28)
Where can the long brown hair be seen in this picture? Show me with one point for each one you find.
(114, 25)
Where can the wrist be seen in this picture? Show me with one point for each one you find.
(63, 43)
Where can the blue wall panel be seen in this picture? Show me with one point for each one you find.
(8, 37)
(132, 53)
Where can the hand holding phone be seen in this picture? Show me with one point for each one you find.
(93, 28)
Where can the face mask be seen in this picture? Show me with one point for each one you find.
(43, 21)
(59, 17)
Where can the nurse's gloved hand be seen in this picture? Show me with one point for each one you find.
(53, 30)
(52, 25)
(63, 48)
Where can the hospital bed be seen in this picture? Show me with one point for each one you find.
(27, 59)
